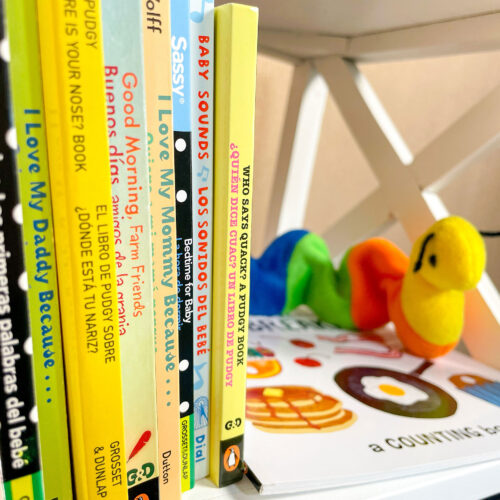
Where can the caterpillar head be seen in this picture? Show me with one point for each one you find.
(451, 255)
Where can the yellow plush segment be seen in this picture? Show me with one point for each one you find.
(445, 261)
(436, 315)
(460, 255)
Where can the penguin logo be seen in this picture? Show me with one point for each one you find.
(231, 458)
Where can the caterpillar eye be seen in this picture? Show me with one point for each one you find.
(433, 260)
(420, 260)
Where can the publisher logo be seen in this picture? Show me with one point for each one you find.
(232, 458)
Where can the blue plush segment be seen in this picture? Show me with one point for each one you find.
(268, 275)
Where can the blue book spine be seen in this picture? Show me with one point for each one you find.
(181, 94)
(202, 81)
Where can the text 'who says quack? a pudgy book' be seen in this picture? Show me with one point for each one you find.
(315, 391)
(75, 110)
(235, 68)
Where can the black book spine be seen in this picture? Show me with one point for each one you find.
(184, 218)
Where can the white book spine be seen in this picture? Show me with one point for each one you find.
(202, 78)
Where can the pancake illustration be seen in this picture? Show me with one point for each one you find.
(294, 409)
(482, 388)
(404, 394)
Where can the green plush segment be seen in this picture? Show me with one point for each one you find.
(313, 281)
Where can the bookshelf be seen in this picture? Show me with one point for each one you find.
(324, 40)
(480, 481)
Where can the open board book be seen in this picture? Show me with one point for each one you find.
(329, 408)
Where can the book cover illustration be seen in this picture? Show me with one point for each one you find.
(158, 84)
(36, 212)
(295, 409)
(480, 387)
(181, 93)
(124, 76)
(395, 392)
(20, 461)
(202, 77)
(397, 414)
(235, 72)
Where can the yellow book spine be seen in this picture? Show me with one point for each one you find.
(158, 79)
(235, 66)
(73, 83)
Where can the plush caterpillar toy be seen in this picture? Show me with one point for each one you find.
(423, 295)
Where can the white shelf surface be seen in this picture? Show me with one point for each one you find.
(349, 18)
(462, 483)
(376, 30)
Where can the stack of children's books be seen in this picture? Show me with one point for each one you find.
(127, 159)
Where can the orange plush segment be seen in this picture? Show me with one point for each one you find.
(370, 265)
(411, 340)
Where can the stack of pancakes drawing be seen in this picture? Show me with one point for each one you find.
(295, 409)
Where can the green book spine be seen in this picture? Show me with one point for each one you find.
(39, 248)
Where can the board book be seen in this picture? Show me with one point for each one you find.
(181, 95)
(158, 86)
(124, 80)
(235, 63)
(329, 408)
(20, 459)
(36, 215)
(202, 81)
(75, 110)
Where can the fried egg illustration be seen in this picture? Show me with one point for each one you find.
(391, 389)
